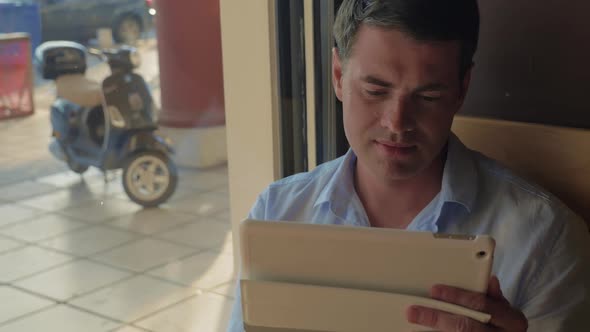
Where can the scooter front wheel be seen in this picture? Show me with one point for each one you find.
(149, 178)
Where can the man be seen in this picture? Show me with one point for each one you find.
(402, 69)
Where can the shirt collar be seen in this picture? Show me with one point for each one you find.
(340, 191)
(459, 182)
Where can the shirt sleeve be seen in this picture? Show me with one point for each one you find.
(236, 321)
(559, 297)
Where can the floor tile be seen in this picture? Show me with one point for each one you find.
(9, 244)
(95, 175)
(223, 216)
(41, 227)
(222, 191)
(133, 298)
(150, 221)
(27, 261)
(222, 170)
(206, 312)
(95, 188)
(19, 171)
(58, 200)
(144, 254)
(205, 180)
(21, 303)
(62, 180)
(90, 240)
(60, 318)
(227, 289)
(112, 187)
(72, 279)
(205, 234)
(102, 210)
(201, 204)
(25, 189)
(181, 192)
(129, 329)
(204, 270)
(12, 213)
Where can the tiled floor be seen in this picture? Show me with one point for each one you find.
(77, 255)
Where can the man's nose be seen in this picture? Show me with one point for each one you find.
(397, 116)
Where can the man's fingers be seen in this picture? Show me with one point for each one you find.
(503, 315)
(464, 298)
(444, 321)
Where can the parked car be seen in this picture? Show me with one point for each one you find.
(78, 20)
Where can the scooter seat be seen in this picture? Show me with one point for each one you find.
(79, 90)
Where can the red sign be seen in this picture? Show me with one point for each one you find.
(16, 83)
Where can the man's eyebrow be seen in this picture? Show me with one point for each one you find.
(374, 80)
(432, 87)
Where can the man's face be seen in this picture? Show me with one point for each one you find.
(399, 98)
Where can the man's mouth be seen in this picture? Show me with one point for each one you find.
(395, 149)
(395, 144)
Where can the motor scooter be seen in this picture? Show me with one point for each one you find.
(109, 125)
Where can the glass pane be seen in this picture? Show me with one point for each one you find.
(291, 72)
(331, 141)
(113, 167)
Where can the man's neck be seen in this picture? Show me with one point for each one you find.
(394, 204)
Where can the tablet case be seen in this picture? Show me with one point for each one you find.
(386, 265)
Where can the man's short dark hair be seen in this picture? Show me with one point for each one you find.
(423, 20)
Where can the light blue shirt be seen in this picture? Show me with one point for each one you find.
(542, 255)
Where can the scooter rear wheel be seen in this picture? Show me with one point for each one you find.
(149, 178)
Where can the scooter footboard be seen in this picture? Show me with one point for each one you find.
(122, 144)
(149, 140)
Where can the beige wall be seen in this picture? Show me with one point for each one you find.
(252, 127)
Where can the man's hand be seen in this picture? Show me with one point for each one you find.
(504, 317)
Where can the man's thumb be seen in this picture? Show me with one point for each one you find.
(494, 289)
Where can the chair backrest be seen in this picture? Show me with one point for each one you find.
(556, 158)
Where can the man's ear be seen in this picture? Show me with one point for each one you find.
(464, 88)
(337, 73)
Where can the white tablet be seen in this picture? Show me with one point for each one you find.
(379, 259)
(308, 277)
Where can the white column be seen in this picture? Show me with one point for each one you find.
(250, 88)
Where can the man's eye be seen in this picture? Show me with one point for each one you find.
(429, 99)
(375, 93)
